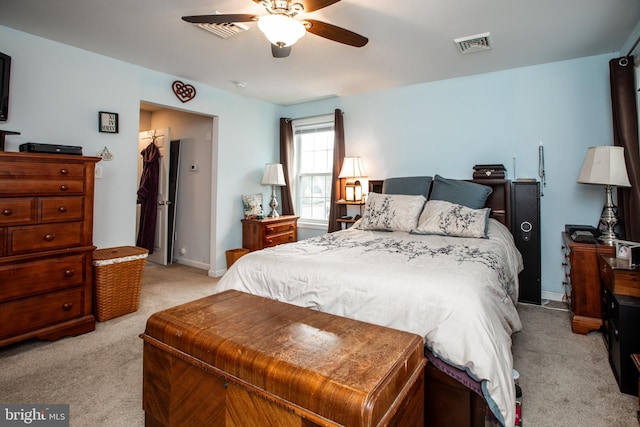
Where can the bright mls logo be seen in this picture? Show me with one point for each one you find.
(34, 415)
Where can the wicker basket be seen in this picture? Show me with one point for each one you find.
(117, 279)
(235, 254)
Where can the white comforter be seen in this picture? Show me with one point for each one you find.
(457, 293)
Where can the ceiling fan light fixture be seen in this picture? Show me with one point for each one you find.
(281, 30)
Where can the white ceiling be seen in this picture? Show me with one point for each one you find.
(410, 41)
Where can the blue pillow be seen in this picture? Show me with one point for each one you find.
(411, 185)
(460, 192)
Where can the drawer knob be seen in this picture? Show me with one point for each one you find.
(49, 237)
(269, 241)
(7, 212)
(64, 171)
(64, 187)
(62, 209)
(291, 227)
(270, 229)
(67, 306)
(290, 238)
(69, 272)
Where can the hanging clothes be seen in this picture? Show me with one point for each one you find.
(148, 196)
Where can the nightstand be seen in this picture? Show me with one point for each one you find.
(342, 206)
(621, 319)
(582, 283)
(265, 233)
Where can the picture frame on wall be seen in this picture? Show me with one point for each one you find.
(107, 122)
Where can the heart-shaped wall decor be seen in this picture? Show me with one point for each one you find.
(184, 92)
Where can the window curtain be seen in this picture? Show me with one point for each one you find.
(338, 158)
(286, 158)
(625, 134)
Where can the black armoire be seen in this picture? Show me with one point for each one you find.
(525, 218)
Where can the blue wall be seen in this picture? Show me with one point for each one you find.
(443, 127)
(447, 126)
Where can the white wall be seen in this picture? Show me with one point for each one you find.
(448, 126)
(56, 93)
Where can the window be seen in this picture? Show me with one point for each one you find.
(313, 166)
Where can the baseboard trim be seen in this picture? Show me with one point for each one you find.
(216, 273)
(552, 296)
(195, 264)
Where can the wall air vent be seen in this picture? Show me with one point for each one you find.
(476, 43)
(224, 30)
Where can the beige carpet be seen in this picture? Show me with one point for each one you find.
(565, 377)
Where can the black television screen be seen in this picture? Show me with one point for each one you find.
(5, 72)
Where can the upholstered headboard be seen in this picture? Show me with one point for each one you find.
(410, 185)
(499, 200)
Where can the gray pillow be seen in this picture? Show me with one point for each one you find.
(411, 185)
(460, 192)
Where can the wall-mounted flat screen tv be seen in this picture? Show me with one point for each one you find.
(5, 72)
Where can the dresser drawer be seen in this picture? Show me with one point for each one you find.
(43, 237)
(17, 211)
(36, 277)
(278, 239)
(27, 314)
(279, 228)
(61, 209)
(34, 168)
(54, 187)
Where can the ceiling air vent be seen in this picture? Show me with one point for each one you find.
(476, 43)
(224, 30)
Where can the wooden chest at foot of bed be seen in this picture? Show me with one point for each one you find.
(234, 359)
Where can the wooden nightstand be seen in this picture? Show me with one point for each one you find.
(621, 317)
(342, 206)
(582, 283)
(265, 233)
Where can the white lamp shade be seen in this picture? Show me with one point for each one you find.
(605, 165)
(352, 167)
(281, 30)
(273, 174)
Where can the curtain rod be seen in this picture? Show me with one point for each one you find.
(634, 46)
(311, 117)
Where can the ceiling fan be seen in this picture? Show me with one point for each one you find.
(282, 29)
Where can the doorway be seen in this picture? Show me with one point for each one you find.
(189, 240)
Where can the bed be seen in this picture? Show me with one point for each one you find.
(431, 256)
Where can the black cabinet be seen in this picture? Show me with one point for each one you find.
(525, 217)
(621, 317)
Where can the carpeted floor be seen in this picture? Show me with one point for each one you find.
(566, 378)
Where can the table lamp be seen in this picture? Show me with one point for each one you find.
(605, 165)
(352, 169)
(273, 176)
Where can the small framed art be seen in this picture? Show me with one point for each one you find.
(624, 251)
(252, 204)
(107, 122)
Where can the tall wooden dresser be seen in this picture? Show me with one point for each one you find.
(46, 246)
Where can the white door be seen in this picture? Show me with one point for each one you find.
(162, 140)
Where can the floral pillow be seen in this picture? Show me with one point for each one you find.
(450, 219)
(391, 212)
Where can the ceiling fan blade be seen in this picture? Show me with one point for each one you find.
(310, 5)
(220, 19)
(337, 34)
(280, 52)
